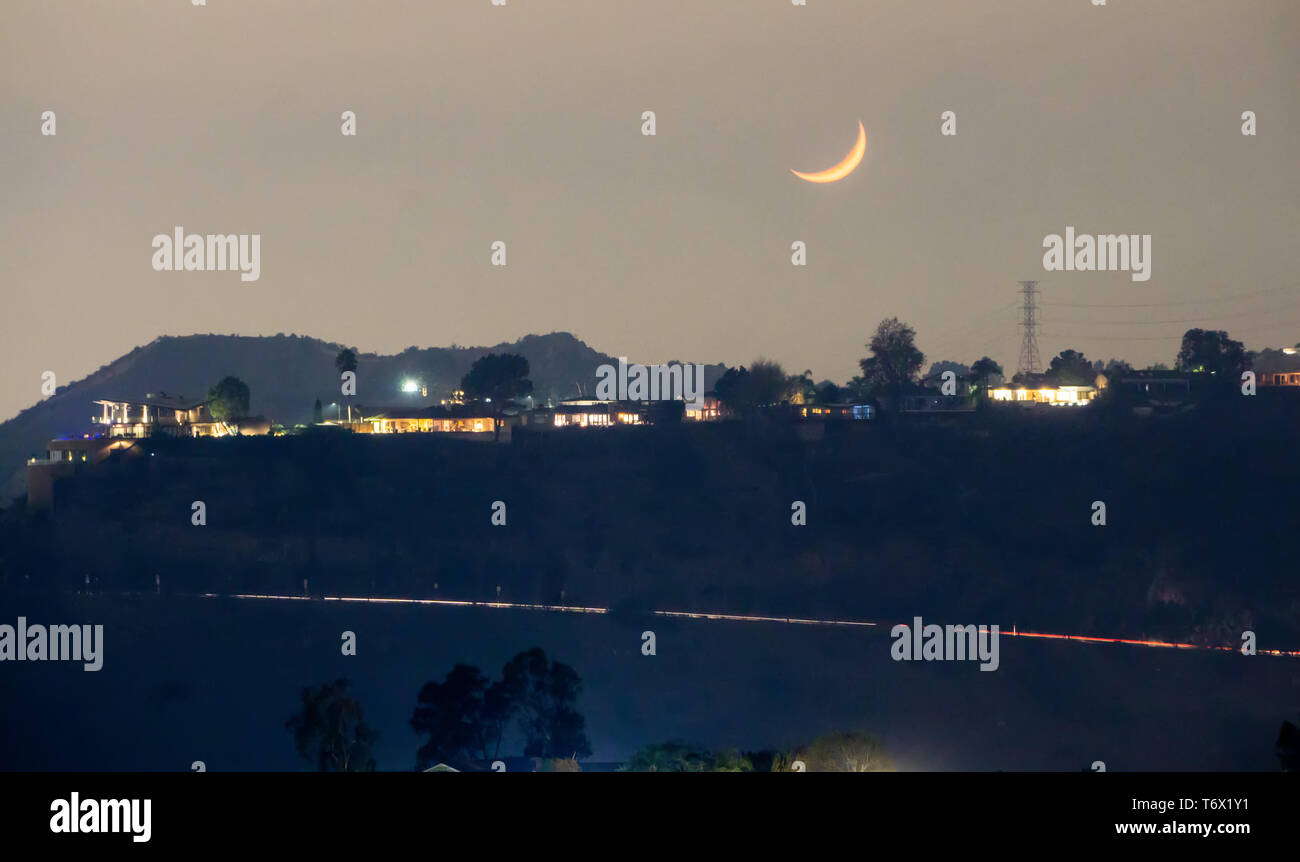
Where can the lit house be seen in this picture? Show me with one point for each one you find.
(588, 413)
(161, 413)
(167, 414)
(1044, 393)
(449, 419)
(711, 410)
(1277, 367)
(835, 412)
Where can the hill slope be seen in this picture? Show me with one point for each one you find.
(285, 375)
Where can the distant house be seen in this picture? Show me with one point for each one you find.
(918, 400)
(1038, 389)
(445, 419)
(835, 412)
(175, 415)
(161, 413)
(64, 458)
(588, 413)
(1277, 367)
(1158, 388)
(711, 411)
(476, 421)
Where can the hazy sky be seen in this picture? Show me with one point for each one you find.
(522, 123)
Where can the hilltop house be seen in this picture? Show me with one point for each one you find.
(588, 413)
(161, 413)
(166, 414)
(468, 419)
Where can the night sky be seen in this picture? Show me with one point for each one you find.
(522, 123)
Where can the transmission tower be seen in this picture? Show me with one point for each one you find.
(1029, 362)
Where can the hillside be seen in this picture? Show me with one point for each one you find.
(286, 374)
(990, 522)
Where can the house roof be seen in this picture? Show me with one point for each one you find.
(1270, 361)
(161, 399)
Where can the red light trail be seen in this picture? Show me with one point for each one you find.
(696, 615)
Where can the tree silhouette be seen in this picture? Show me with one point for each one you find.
(346, 360)
(497, 377)
(1211, 351)
(894, 359)
(544, 693)
(463, 716)
(331, 730)
(983, 369)
(1070, 368)
(228, 402)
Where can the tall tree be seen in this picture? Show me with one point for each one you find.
(228, 402)
(895, 359)
(769, 382)
(733, 389)
(1070, 368)
(545, 694)
(317, 413)
(330, 730)
(462, 716)
(497, 377)
(801, 389)
(1211, 351)
(346, 360)
(983, 370)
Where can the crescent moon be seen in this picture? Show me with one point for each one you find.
(844, 168)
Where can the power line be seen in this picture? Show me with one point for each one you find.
(1165, 304)
(1184, 320)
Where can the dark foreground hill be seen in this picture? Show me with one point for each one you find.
(285, 374)
(991, 523)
